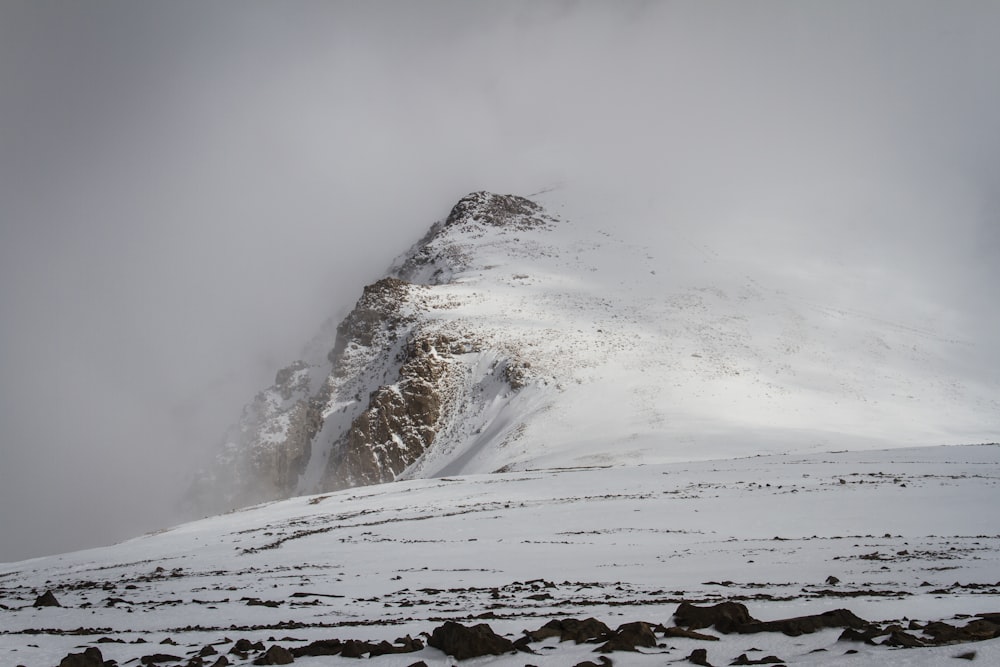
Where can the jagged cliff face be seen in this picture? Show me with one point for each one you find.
(507, 339)
(397, 378)
(266, 452)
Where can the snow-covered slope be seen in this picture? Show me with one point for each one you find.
(509, 339)
(900, 538)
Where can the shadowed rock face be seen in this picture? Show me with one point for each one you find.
(267, 450)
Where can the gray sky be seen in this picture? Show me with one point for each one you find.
(188, 189)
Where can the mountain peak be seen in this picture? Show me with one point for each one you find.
(511, 212)
(504, 341)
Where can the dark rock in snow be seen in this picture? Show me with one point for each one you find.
(319, 647)
(766, 660)
(725, 617)
(157, 658)
(571, 629)
(976, 630)
(699, 656)
(603, 661)
(463, 642)
(803, 625)
(275, 655)
(630, 637)
(675, 632)
(47, 600)
(90, 658)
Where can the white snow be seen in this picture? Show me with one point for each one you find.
(910, 533)
(674, 440)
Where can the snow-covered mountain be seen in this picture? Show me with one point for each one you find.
(535, 443)
(510, 339)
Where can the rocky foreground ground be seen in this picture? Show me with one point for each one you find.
(888, 557)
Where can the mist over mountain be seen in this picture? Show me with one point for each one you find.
(509, 338)
(188, 191)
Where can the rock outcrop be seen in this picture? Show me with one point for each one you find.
(402, 418)
(267, 450)
(391, 382)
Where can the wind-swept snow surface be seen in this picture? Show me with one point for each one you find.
(903, 536)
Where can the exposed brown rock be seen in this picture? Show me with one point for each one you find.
(571, 629)
(319, 647)
(793, 627)
(630, 637)
(275, 655)
(463, 642)
(686, 634)
(89, 658)
(401, 421)
(157, 658)
(699, 656)
(378, 310)
(389, 387)
(725, 617)
(742, 659)
(47, 599)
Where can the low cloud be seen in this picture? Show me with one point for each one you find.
(188, 190)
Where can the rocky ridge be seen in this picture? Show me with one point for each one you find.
(392, 382)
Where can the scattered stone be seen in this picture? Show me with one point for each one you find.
(275, 655)
(767, 660)
(90, 658)
(572, 629)
(257, 602)
(866, 636)
(319, 647)
(47, 600)
(725, 617)
(157, 658)
(903, 639)
(462, 642)
(629, 637)
(968, 655)
(676, 632)
(803, 625)
(699, 656)
(979, 629)
(603, 661)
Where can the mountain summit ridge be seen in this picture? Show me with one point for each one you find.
(410, 371)
(509, 339)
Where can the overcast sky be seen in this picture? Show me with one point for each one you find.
(189, 189)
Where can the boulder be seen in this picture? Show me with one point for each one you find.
(630, 637)
(90, 658)
(463, 642)
(725, 617)
(47, 600)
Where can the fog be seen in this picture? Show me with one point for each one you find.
(188, 190)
